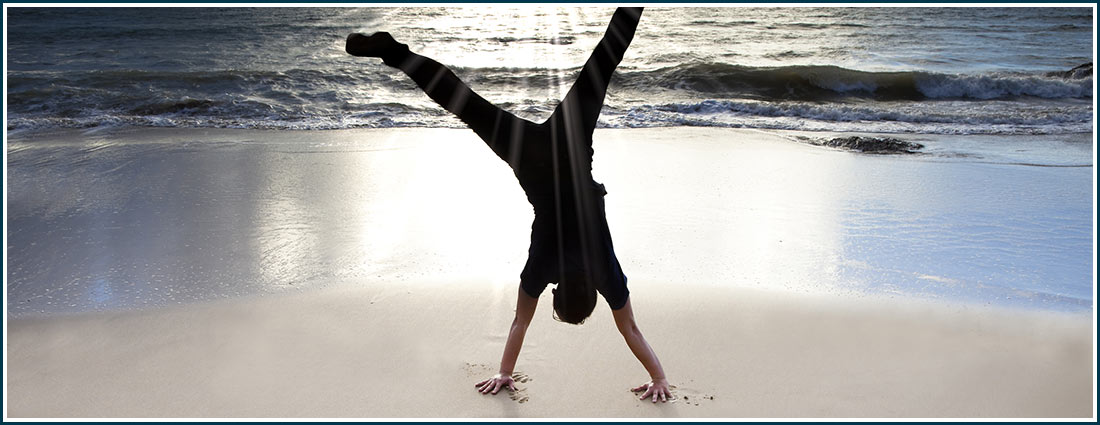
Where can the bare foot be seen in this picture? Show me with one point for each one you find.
(377, 45)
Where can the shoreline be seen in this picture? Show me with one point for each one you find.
(936, 144)
(840, 208)
(372, 273)
(842, 191)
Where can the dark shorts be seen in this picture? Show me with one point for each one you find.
(600, 266)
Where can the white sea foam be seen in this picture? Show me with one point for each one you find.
(998, 86)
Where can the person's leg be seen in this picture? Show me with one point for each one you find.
(580, 109)
(571, 125)
(575, 118)
(501, 130)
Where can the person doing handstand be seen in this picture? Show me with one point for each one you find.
(570, 241)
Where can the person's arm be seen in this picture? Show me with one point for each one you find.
(525, 310)
(657, 387)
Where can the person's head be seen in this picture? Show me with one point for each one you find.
(574, 300)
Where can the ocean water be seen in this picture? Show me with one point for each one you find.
(896, 70)
(985, 86)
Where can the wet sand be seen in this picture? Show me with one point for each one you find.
(372, 273)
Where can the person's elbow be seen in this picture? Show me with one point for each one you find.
(520, 322)
(628, 328)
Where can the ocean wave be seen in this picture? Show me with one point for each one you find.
(924, 118)
(707, 94)
(854, 113)
(811, 82)
(367, 120)
(808, 82)
(556, 40)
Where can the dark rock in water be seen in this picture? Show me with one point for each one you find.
(876, 145)
(1080, 71)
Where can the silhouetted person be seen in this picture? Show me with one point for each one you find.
(570, 241)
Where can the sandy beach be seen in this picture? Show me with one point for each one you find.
(373, 273)
(403, 350)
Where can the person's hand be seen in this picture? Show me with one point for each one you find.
(494, 384)
(657, 388)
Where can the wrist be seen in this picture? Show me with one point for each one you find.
(660, 380)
